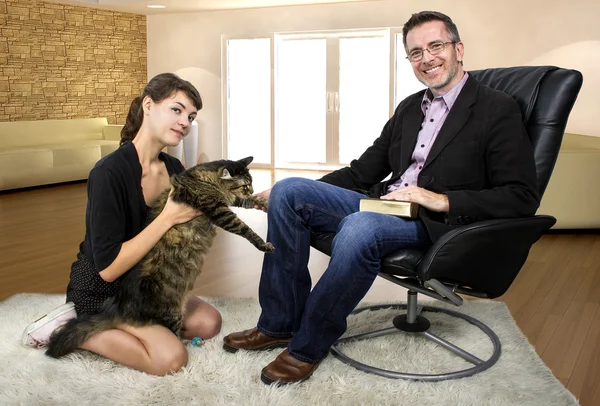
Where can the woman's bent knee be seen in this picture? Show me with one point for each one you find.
(203, 321)
(210, 324)
(214, 325)
(170, 361)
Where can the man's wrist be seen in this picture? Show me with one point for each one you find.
(445, 204)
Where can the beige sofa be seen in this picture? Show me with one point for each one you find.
(34, 153)
(573, 193)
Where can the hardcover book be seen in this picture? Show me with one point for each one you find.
(393, 207)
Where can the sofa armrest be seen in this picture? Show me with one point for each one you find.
(112, 132)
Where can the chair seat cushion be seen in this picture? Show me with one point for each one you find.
(402, 262)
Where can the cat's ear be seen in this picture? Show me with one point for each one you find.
(225, 174)
(246, 161)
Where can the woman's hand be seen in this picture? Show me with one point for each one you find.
(428, 199)
(177, 213)
(133, 251)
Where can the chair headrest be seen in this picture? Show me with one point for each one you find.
(546, 95)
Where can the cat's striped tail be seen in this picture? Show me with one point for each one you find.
(76, 331)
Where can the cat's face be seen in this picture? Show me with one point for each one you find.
(236, 177)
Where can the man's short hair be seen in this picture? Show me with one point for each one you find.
(426, 16)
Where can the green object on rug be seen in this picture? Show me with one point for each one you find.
(216, 377)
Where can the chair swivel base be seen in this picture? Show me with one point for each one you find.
(401, 325)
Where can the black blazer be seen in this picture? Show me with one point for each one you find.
(482, 159)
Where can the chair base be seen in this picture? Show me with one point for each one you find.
(402, 323)
(412, 318)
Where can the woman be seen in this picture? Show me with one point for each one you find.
(121, 187)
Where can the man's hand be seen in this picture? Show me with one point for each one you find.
(429, 200)
(265, 195)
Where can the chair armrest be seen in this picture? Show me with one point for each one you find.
(112, 132)
(485, 256)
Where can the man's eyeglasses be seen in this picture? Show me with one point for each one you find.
(417, 54)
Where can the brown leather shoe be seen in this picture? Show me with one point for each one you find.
(252, 340)
(287, 369)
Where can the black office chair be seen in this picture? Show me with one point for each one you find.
(481, 259)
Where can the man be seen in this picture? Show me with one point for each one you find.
(459, 149)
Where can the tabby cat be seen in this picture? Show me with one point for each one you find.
(155, 290)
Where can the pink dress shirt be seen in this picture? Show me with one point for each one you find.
(435, 112)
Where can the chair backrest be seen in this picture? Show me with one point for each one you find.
(546, 95)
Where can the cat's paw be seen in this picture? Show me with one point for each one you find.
(266, 247)
(260, 203)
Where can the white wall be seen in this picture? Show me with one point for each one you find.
(496, 34)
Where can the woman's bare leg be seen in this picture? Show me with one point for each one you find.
(200, 319)
(152, 349)
(155, 349)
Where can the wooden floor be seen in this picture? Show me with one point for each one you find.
(554, 300)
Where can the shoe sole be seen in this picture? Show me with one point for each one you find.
(266, 347)
(33, 327)
(269, 381)
(265, 379)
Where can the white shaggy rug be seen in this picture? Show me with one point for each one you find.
(215, 377)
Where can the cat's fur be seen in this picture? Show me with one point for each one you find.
(155, 291)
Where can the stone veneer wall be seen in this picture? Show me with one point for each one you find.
(61, 61)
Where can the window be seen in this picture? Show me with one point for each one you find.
(248, 110)
(363, 93)
(327, 101)
(300, 92)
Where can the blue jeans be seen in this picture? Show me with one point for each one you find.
(316, 319)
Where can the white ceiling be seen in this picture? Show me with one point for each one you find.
(184, 6)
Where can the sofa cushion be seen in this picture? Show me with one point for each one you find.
(29, 133)
(43, 152)
(48, 164)
(112, 132)
(61, 145)
(36, 177)
(581, 143)
(76, 155)
(23, 161)
(573, 193)
(106, 149)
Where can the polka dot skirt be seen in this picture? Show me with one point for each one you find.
(87, 290)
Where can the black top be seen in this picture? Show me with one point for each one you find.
(116, 211)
